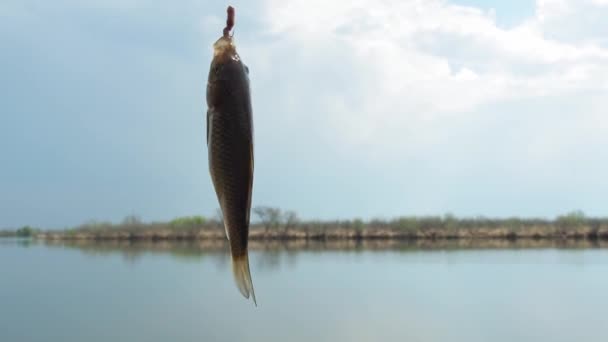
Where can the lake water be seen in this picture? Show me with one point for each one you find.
(186, 293)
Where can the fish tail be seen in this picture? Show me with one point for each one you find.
(242, 275)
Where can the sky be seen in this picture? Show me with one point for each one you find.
(362, 109)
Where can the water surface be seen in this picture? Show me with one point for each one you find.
(185, 292)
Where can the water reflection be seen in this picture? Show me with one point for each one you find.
(272, 255)
(472, 291)
(18, 241)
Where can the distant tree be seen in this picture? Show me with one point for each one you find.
(358, 223)
(290, 219)
(270, 217)
(93, 225)
(572, 219)
(132, 220)
(450, 221)
(26, 231)
(189, 222)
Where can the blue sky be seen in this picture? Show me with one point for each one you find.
(361, 108)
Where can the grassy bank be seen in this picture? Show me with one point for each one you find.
(200, 247)
(7, 233)
(278, 226)
(24, 232)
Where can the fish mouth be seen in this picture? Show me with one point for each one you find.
(224, 47)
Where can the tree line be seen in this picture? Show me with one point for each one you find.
(273, 219)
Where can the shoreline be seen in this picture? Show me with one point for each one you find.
(308, 234)
(221, 246)
(274, 225)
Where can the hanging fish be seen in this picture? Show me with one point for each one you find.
(230, 148)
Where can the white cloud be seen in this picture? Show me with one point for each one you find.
(416, 70)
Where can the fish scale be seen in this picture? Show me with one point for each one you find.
(230, 175)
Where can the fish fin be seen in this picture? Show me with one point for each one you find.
(226, 230)
(242, 276)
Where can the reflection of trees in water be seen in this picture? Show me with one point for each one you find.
(267, 256)
(269, 260)
(273, 259)
(221, 260)
(131, 257)
(21, 242)
(133, 251)
(273, 255)
(24, 242)
(290, 258)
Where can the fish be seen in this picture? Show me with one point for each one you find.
(230, 151)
